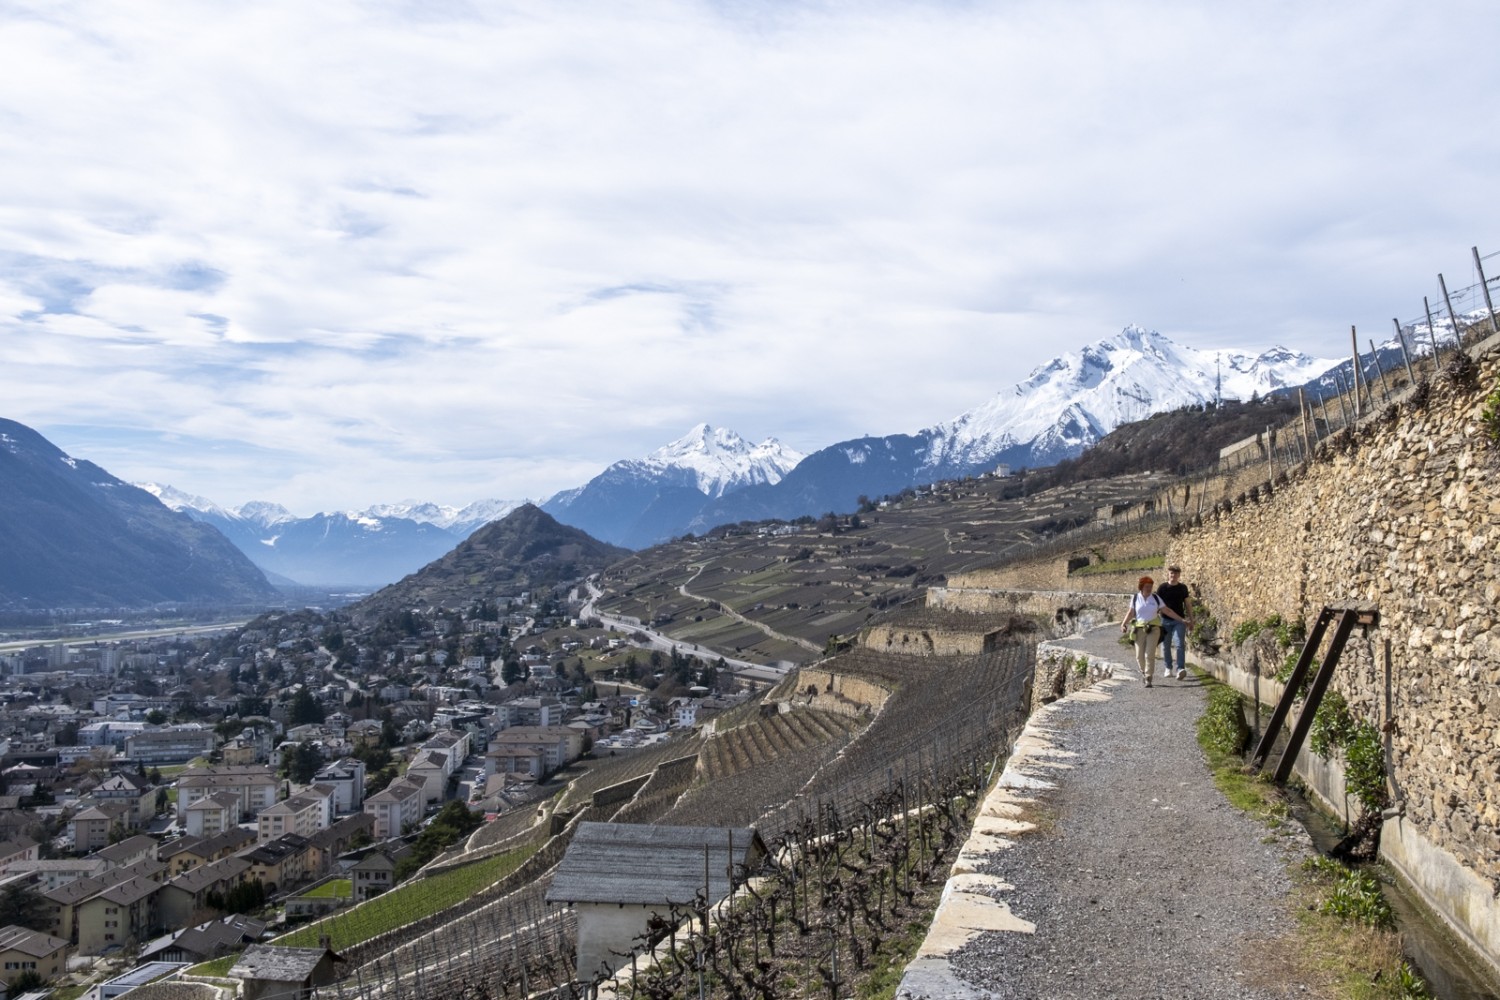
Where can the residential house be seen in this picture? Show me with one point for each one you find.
(372, 875)
(325, 846)
(118, 914)
(529, 761)
(212, 814)
(347, 777)
(185, 898)
(132, 789)
(561, 744)
(90, 828)
(205, 941)
(130, 851)
(187, 853)
(534, 712)
(280, 864)
(431, 768)
(48, 875)
(23, 950)
(364, 733)
(396, 807)
(20, 849)
(303, 814)
(256, 786)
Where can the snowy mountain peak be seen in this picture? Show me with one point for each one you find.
(264, 513)
(1069, 403)
(721, 461)
(179, 500)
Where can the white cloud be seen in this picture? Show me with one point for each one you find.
(457, 252)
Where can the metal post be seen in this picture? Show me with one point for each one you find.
(1401, 339)
(1385, 390)
(1302, 412)
(1431, 333)
(1458, 339)
(1354, 372)
(1338, 380)
(1484, 284)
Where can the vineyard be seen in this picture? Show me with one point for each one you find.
(767, 738)
(401, 906)
(863, 819)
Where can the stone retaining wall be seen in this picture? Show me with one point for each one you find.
(1402, 512)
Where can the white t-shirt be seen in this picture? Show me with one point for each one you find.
(1146, 608)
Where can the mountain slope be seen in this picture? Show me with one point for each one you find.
(639, 502)
(525, 550)
(73, 535)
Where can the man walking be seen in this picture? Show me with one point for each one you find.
(1174, 594)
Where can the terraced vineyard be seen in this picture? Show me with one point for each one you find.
(768, 737)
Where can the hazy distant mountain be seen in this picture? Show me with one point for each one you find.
(639, 502)
(72, 535)
(367, 548)
(525, 550)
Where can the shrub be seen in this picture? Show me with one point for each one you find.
(1222, 727)
(1332, 725)
(1364, 766)
(1489, 420)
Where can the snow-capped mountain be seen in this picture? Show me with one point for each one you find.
(460, 521)
(367, 548)
(1068, 404)
(1058, 411)
(639, 502)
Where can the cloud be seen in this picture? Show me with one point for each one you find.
(338, 253)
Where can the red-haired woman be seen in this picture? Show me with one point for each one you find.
(1143, 621)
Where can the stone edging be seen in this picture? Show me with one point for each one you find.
(971, 902)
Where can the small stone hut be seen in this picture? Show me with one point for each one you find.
(616, 876)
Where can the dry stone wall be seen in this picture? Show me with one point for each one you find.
(1402, 512)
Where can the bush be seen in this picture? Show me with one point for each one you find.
(1364, 767)
(1332, 726)
(1222, 727)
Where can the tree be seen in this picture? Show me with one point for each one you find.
(305, 709)
(23, 906)
(156, 717)
(301, 765)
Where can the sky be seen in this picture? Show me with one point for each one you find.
(336, 254)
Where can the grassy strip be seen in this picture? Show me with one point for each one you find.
(1343, 945)
(338, 888)
(218, 967)
(406, 903)
(1141, 563)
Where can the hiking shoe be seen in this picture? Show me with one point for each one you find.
(1182, 675)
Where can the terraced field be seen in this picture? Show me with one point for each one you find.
(766, 738)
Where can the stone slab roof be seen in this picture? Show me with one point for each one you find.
(647, 865)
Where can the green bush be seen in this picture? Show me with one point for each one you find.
(1222, 727)
(1364, 766)
(1489, 419)
(1332, 725)
(1357, 896)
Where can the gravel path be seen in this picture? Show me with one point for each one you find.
(1140, 880)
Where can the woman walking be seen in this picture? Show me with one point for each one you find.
(1142, 622)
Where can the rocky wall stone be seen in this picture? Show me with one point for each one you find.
(1402, 512)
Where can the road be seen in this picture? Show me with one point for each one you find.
(665, 643)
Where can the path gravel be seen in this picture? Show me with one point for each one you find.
(1141, 881)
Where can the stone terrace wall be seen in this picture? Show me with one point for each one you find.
(1403, 512)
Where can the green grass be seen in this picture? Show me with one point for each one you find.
(1138, 563)
(339, 888)
(406, 903)
(218, 967)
